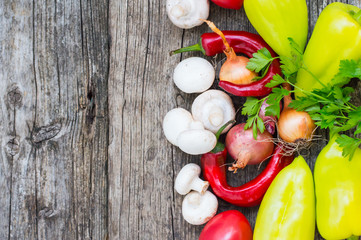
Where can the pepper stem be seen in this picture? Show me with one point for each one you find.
(195, 47)
(357, 16)
(228, 51)
(353, 238)
(220, 146)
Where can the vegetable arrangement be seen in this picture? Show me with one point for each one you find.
(289, 96)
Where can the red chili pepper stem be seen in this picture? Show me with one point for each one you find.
(196, 47)
(220, 146)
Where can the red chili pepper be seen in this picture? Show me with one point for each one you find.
(230, 4)
(243, 42)
(249, 194)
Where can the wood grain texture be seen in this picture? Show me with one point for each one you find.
(54, 71)
(84, 87)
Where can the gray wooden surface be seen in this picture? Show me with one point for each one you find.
(84, 86)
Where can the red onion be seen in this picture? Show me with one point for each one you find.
(245, 149)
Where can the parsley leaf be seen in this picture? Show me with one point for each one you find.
(260, 60)
(348, 69)
(348, 144)
(251, 107)
(276, 80)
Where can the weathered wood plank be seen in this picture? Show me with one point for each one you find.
(53, 175)
(82, 149)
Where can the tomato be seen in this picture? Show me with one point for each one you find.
(228, 225)
(230, 4)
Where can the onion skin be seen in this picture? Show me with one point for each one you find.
(294, 126)
(269, 121)
(245, 149)
(234, 70)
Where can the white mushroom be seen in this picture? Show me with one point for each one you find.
(196, 142)
(194, 75)
(177, 121)
(188, 179)
(187, 13)
(213, 108)
(189, 135)
(198, 209)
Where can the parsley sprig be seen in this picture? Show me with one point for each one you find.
(329, 106)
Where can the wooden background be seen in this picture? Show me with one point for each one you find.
(84, 87)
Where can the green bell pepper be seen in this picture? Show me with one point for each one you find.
(336, 36)
(287, 210)
(338, 192)
(278, 20)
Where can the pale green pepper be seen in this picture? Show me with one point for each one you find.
(287, 210)
(278, 20)
(338, 192)
(336, 37)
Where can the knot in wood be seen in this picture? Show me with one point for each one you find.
(46, 132)
(12, 147)
(15, 97)
(48, 213)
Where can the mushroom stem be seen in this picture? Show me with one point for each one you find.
(216, 116)
(179, 11)
(199, 185)
(194, 199)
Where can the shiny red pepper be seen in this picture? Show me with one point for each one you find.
(249, 194)
(230, 4)
(243, 42)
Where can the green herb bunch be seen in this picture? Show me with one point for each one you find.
(329, 107)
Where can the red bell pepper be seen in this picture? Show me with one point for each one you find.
(249, 194)
(243, 42)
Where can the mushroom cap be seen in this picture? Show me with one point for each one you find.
(176, 121)
(198, 209)
(188, 179)
(187, 13)
(196, 141)
(194, 75)
(213, 108)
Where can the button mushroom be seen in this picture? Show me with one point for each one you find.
(187, 13)
(190, 136)
(213, 108)
(198, 209)
(188, 179)
(194, 75)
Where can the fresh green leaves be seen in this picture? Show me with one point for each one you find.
(260, 60)
(348, 144)
(251, 108)
(329, 107)
(348, 69)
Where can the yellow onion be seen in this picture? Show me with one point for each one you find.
(234, 68)
(294, 126)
